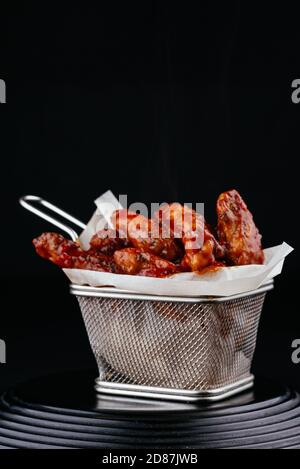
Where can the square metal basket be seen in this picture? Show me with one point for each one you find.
(171, 347)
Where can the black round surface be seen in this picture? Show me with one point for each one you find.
(63, 411)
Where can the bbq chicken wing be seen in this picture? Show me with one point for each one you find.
(107, 242)
(201, 247)
(237, 231)
(68, 254)
(145, 234)
(133, 261)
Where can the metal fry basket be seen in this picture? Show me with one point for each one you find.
(179, 348)
(173, 348)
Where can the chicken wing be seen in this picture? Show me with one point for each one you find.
(145, 234)
(68, 254)
(134, 261)
(107, 242)
(237, 231)
(201, 247)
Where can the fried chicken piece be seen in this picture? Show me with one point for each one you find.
(145, 234)
(134, 261)
(237, 231)
(68, 254)
(198, 259)
(108, 241)
(201, 247)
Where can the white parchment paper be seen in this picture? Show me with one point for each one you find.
(106, 204)
(223, 282)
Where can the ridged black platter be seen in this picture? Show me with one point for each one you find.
(62, 411)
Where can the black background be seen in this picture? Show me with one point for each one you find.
(158, 101)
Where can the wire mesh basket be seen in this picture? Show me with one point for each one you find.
(175, 348)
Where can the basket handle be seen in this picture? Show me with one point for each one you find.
(29, 202)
